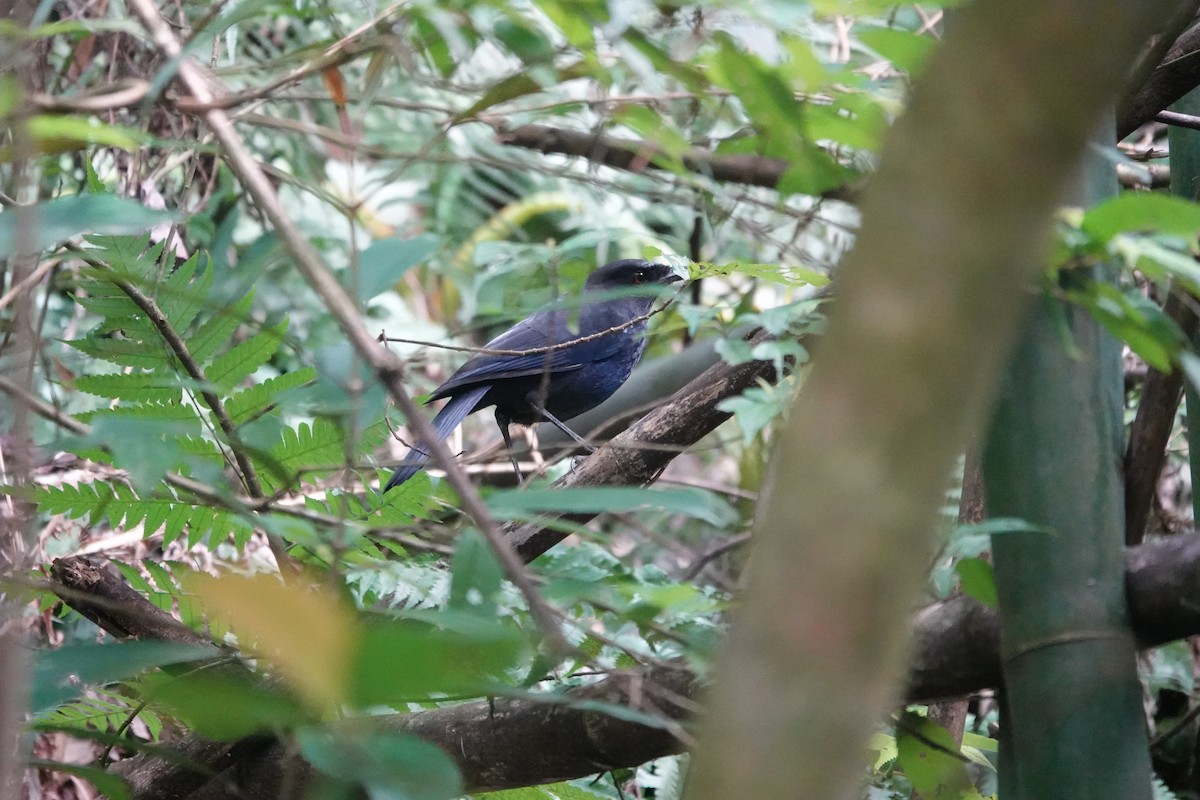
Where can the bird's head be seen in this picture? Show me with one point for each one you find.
(631, 272)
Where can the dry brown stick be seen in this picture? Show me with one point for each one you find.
(350, 46)
(951, 712)
(635, 156)
(1151, 428)
(387, 368)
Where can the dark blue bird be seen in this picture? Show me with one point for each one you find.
(558, 384)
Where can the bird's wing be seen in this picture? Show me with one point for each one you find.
(530, 334)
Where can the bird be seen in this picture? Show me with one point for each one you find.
(552, 385)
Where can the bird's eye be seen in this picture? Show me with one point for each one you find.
(639, 276)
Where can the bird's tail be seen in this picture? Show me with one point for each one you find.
(446, 421)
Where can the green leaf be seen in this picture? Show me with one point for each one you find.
(61, 133)
(122, 352)
(241, 361)
(977, 580)
(318, 444)
(122, 509)
(1142, 211)
(382, 264)
(929, 757)
(132, 387)
(402, 661)
(905, 49)
(768, 99)
(656, 128)
(520, 85)
(978, 742)
(475, 576)
(146, 448)
(1189, 362)
(217, 332)
(390, 766)
(1002, 525)
(524, 40)
(787, 275)
(225, 705)
(251, 401)
(59, 675)
(1134, 319)
(756, 408)
(48, 223)
(180, 297)
(576, 20)
(696, 503)
(803, 68)
(1156, 260)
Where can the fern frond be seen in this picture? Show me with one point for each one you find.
(214, 334)
(251, 401)
(201, 448)
(171, 411)
(122, 351)
(133, 255)
(240, 361)
(102, 710)
(122, 509)
(136, 387)
(180, 298)
(101, 296)
(306, 446)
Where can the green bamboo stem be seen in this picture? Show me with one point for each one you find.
(928, 304)
(1053, 458)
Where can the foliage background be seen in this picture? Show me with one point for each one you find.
(393, 138)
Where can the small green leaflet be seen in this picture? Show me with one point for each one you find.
(1000, 525)
(695, 503)
(59, 675)
(57, 220)
(977, 580)
(1142, 211)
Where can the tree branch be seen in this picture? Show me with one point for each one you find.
(520, 741)
(639, 455)
(1175, 76)
(1151, 429)
(635, 156)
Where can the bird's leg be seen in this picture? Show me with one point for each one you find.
(502, 421)
(553, 420)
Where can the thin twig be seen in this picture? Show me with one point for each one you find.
(713, 553)
(1179, 120)
(345, 49)
(550, 348)
(28, 282)
(1180, 724)
(639, 156)
(345, 311)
